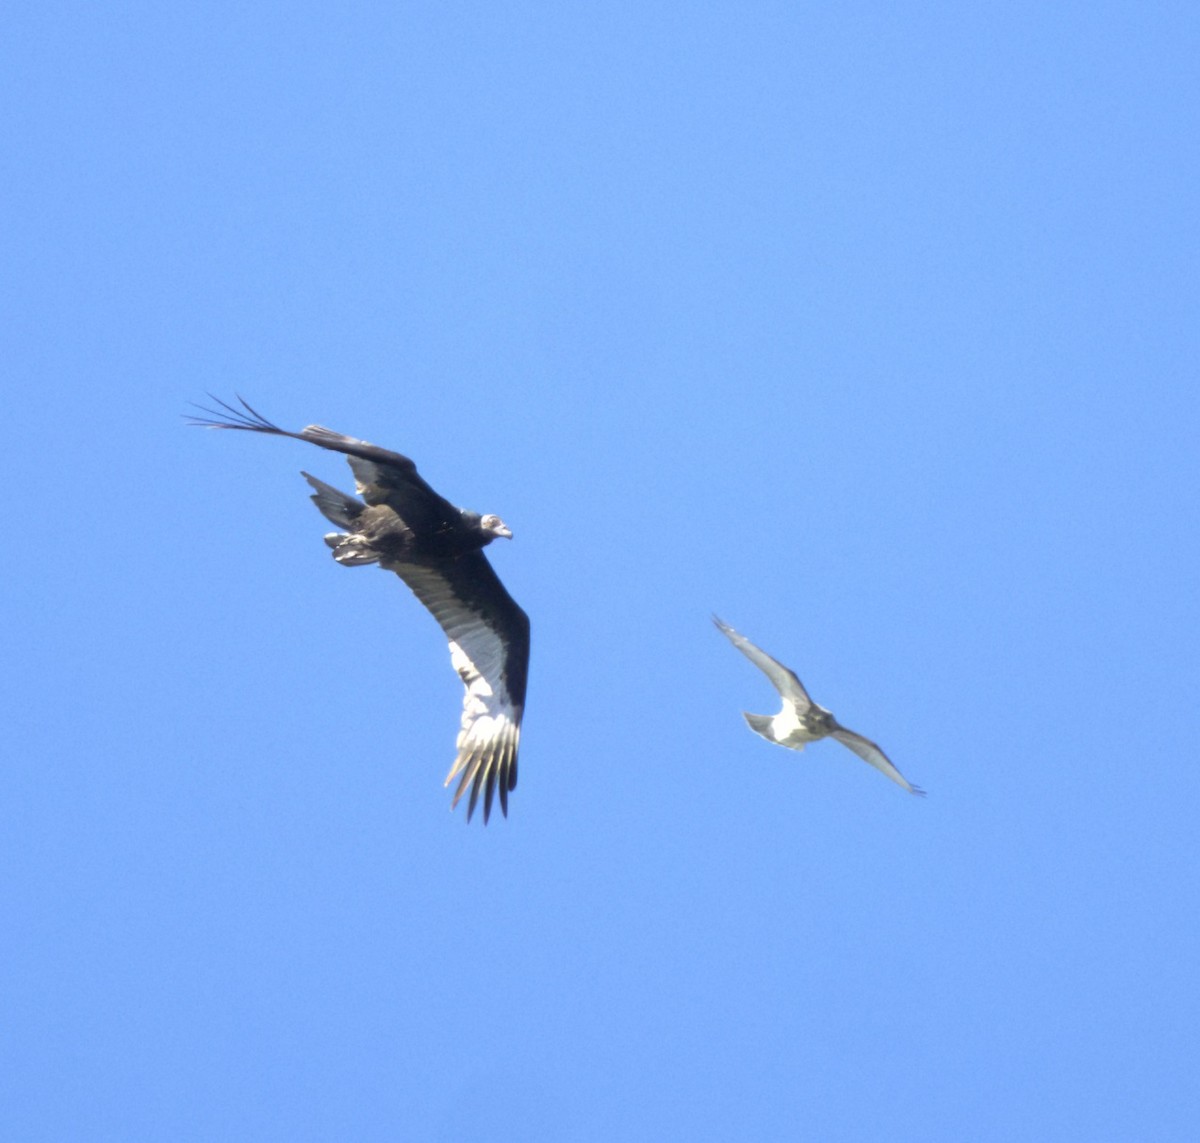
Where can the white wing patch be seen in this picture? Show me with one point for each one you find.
(488, 714)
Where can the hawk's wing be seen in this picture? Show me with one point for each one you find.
(869, 752)
(784, 680)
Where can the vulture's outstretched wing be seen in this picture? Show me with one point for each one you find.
(377, 471)
(784, 680)
(489, 648)
(869, 752)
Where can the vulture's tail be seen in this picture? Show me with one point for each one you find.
(337, 507)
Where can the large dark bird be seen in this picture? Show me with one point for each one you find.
(404, 526)
(801, 720)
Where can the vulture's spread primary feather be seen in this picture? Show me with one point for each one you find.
(801, 720)
(405, 527)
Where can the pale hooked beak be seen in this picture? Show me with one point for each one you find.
(502, 530)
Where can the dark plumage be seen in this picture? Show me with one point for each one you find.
(405, 527)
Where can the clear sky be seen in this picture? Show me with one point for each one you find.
(871, 327)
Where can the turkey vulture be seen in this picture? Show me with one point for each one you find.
(801, 720)
(405, 527)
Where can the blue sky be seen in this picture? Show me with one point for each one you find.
(870, 327)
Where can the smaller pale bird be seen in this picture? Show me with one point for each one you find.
(801, 720)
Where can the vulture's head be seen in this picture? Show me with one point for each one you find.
(494, 526)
